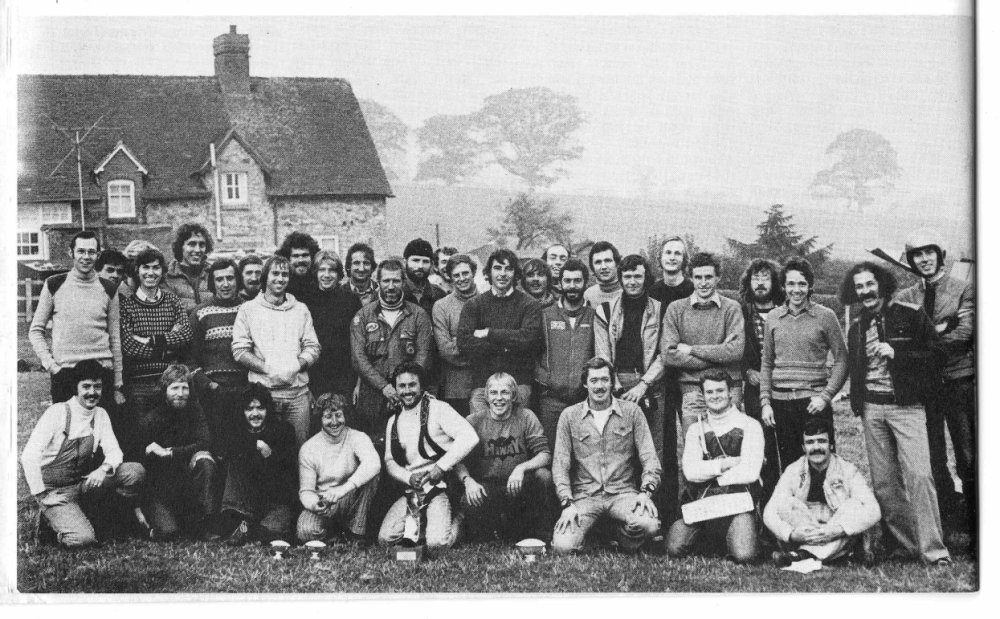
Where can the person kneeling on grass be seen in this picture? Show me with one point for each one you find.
(338, 475)
(822, 504)
(508, 490)
(723, 454)
(62, 460)
(594, 469)
(259, 496)
(424, 440)
(181, 472)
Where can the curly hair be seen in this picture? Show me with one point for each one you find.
(256, 391)
(800, 264)
(185, 232)
(759, 265)
(175, 373)
(364, 248)
(409, 367)
(298, 239)
(886, 282)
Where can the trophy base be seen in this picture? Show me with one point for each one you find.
(411, 554)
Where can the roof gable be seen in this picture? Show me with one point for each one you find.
(120, 148)
(220, 147)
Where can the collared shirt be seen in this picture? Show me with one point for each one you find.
(589, 461)
(785, 309)
(697, 301)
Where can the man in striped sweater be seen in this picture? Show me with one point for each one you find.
(794, 381)
(85, 324)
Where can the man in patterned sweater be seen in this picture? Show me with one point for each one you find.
(217, 378)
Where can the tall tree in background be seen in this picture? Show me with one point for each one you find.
(778, 240)
(866, 166)
(531, 221)
(389, 134)
(528, 132)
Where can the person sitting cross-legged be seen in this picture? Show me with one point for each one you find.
(259, 496)
(594, 469)
(822, 504)
(508, 489)
(723, 454)
(338, 475)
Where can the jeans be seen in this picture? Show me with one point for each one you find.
(693, 403)
(295, 407)
(799, 514)
(739, 531)
(478, 403)
(633, 532)
(549, 409)
(896, 440)
(442, 526)
(671, 487)
(954, 403)
(141, 394)
(257, 501)
(529, 514)
(61, 507)
(350, 512)
(789, 418)
(771, 471)
(187, 493)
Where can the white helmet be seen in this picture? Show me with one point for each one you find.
(921, 239)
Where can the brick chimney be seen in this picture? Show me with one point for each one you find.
(232, 61)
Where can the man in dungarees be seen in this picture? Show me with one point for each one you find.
(63, 463)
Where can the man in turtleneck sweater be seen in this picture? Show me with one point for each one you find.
(456, 377)
(85, 325)
(383, 335)
(500, 330)
(604, 259)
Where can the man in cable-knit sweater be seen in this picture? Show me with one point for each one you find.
(702, 333)
(85, 324)
(500, 330)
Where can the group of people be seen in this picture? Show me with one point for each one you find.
(420, 406)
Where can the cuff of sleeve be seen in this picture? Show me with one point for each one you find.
(827, 397)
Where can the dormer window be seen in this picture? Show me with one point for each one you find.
(121, 199)
(234, 188)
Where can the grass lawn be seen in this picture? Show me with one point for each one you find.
(134, 566)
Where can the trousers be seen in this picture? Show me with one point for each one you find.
(739, 533)
(350, 512)
(62, 508)
(633, 531)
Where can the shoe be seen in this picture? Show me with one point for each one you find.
(358, 541)
(240, 535)
(781, 558)
(942, 562)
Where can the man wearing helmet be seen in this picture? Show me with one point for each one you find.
(950, 304)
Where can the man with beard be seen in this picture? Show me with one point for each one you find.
(185, 275)
(383, 335)
(60, 460)
(555, 256)
(260, 471)
(180, 470)
(217, 377)
(360, 266)
(332, 309)
(599, 442)
(500, 330)
(423, 442)
(723, 452)
(299, 248)
(250, 268)
(419, 256)
(822, 504)
(508, 487)
(274, 338)
(536, 282)
(440, 277)
(760, 291)
(338, 476)
(568, 334)
(456, 377)
(794, 383)
(604, 259)
(950, 304)
(894, 361)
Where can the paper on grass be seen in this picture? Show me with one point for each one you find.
(804, 566)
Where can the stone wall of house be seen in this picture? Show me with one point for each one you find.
(348, 218)
(247, 226)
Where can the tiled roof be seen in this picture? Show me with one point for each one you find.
(309, 131)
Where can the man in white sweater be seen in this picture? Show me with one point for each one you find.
(723, 453)
(274, 338)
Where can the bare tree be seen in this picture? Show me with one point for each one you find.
(531, 221)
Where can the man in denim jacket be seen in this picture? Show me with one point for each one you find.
(822, 504)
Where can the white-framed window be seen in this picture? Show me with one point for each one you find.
(29, 245)
(330, 243)
(56, 213)
(234, 187)
(121, 199)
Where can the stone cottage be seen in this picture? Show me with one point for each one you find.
(251, 158)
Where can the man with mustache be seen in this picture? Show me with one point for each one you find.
(950, 304)
(760, 292)
(419, 257)
(299, 248)
(59, 461)
(599, 443)
(500, 330)
(360, 267)
(822, 504)
(794, 381)
(185, 275)
(250, 268)
(895, 358)
(568, 336)
(383, 335)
